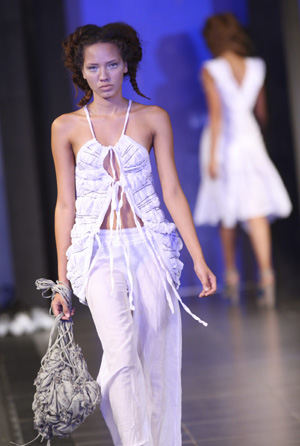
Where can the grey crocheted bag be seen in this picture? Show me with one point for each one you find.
(65, 391)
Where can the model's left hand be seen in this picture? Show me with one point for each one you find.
(207, 278)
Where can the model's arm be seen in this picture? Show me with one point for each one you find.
(215, 117)
(65, 204)
(175, 199)
(260, 109)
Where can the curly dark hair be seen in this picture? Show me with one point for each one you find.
(120, 34)
(223, 32)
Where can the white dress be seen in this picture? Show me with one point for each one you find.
(248, 184)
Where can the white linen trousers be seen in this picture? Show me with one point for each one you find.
(140, 373)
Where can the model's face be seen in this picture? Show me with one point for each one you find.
(104, 69)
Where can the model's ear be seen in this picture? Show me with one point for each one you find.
(125, 68)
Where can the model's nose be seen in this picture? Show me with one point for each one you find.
(103, 74)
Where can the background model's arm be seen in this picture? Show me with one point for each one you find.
(65, 204)
(215, 117)
(260, 109)
(175, 199)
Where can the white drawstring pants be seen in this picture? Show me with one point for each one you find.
(140, 373)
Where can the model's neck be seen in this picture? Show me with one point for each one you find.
(230, 55)
(110, 106)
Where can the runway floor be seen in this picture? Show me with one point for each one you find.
(241, 376)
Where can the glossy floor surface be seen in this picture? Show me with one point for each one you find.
(241, 376)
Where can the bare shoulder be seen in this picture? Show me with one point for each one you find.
(205, 76)
(150, 111)
(66, 122)
(154, 115)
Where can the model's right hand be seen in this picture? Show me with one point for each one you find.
(58, 306)
(207, 278)
(213, 169)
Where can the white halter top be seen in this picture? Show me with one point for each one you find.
(96, 190)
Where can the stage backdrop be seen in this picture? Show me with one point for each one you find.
(173, 53)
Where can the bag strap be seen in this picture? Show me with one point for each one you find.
(59, 287)
(65, 331)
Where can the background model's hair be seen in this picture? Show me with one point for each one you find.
(223, 32)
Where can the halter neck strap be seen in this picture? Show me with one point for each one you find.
(127, 116)
(89, 121)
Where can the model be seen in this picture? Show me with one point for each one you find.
(114, 245)
(239, 183)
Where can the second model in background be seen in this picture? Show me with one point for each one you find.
(239, 183)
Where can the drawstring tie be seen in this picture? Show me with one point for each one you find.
(116, 206)
(162, 269)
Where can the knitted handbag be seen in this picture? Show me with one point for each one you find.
(65, 391)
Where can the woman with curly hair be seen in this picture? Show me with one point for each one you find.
(114, 245)
(239, 183)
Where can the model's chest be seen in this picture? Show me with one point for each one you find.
(126, 158)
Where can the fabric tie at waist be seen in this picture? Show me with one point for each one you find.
(116, 206)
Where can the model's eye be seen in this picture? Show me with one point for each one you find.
(112, 65)
(92, 68)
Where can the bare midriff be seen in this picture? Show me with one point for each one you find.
(127, 217)
(126, 214)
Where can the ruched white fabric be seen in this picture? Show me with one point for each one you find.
(248, 184)
(97, 189)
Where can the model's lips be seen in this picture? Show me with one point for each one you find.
(104, 87)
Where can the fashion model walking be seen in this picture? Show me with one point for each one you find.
(114, 245)
(239, 183)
